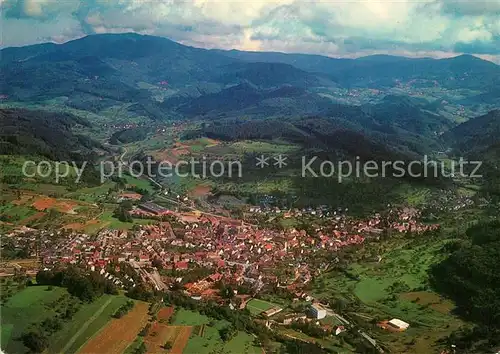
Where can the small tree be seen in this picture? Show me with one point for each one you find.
(35, 341)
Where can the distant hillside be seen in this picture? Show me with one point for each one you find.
(116, 66)
(268, 75)
(476, 135)
(383, 70)
(156, 78)
(247, 99)
(42, 133)
(317, 133)
(479, 140)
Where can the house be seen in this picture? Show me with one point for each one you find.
(129, 196)
(181, 265)
(317, 311)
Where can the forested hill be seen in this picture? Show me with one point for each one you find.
(44, 133)
(391, 100)
(113, 66)
(384, 70)
(470, 277)
(476, 135)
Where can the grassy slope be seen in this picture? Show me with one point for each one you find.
(30, 306)
(406, 263)
(24, 308)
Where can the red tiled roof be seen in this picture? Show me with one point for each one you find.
(181, 265)
(216, 277)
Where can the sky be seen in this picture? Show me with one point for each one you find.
(348, 28)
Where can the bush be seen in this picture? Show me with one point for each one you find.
(35, 341)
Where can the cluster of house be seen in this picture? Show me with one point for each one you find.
(237, 252)
(448, 201)
(321, 211)
(406, 220)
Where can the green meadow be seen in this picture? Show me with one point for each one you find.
(32, 305)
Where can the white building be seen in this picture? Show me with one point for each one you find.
(401, 325)
(318, 312)
(272, 311)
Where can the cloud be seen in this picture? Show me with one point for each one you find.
(331, 27)
(471, 8)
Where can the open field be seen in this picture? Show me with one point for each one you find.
(106, 220)
(139, 183)
(16, 213)
(25, 207)
(205, 338)
(185, 317)
(12, 172)
(92, 194)
(161, 332)
(31, 305)
(118, 334)
(278, 147)
(81, 213)
(200, 191)
(211, 341)
(36, 303)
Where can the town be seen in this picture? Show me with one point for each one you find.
(196, 253)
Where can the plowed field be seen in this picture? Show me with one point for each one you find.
(118, 333)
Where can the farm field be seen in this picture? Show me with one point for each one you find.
(39, 210)
(85, 323)
(12, 169)
(242, 343)
(16, 213)
(164, 314)
(160, 333)
(118, 334)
